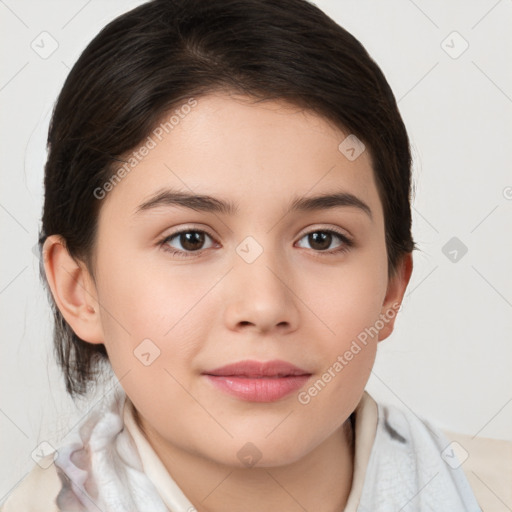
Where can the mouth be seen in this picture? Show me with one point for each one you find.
(256, 381)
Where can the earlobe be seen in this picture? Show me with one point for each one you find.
(394, 295)
(73, 290)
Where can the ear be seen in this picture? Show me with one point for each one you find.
(395, 294)
(73, 290)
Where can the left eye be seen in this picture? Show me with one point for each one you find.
(322, 240)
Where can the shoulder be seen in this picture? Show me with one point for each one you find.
(487, 464)
(37, 492)
(410, 467)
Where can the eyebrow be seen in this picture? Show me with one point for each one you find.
(206, 203)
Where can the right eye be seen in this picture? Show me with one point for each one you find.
(188, 241)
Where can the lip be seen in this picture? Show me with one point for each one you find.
(257, 381)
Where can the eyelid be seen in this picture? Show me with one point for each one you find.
(314, 228)
(186, 228)
(306, 231)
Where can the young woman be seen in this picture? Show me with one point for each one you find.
(227, 227)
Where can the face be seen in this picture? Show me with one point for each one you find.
(260, 275)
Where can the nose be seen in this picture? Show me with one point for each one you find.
(259, 296)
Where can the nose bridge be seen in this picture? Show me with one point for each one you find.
(257, 265)
(259, 294)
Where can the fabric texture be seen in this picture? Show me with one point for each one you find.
(408, 469)
(109, 465)
(102, 469)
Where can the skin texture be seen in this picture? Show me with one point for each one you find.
(294, 302)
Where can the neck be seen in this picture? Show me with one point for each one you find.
(320, 481)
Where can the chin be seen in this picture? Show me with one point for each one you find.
(261, 453)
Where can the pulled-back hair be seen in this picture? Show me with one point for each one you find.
(157, 56)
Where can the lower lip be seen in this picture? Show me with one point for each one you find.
(264, 389)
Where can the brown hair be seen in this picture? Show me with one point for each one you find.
(155, 57)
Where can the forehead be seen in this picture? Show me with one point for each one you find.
(249, 153)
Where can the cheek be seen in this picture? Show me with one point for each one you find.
(141, 303)
(347, 300)
(349, 305)
(349, 308)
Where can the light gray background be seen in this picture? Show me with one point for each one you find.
(449, 359)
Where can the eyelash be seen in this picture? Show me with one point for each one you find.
(345, 247)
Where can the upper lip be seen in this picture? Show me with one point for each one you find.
(257, 369)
